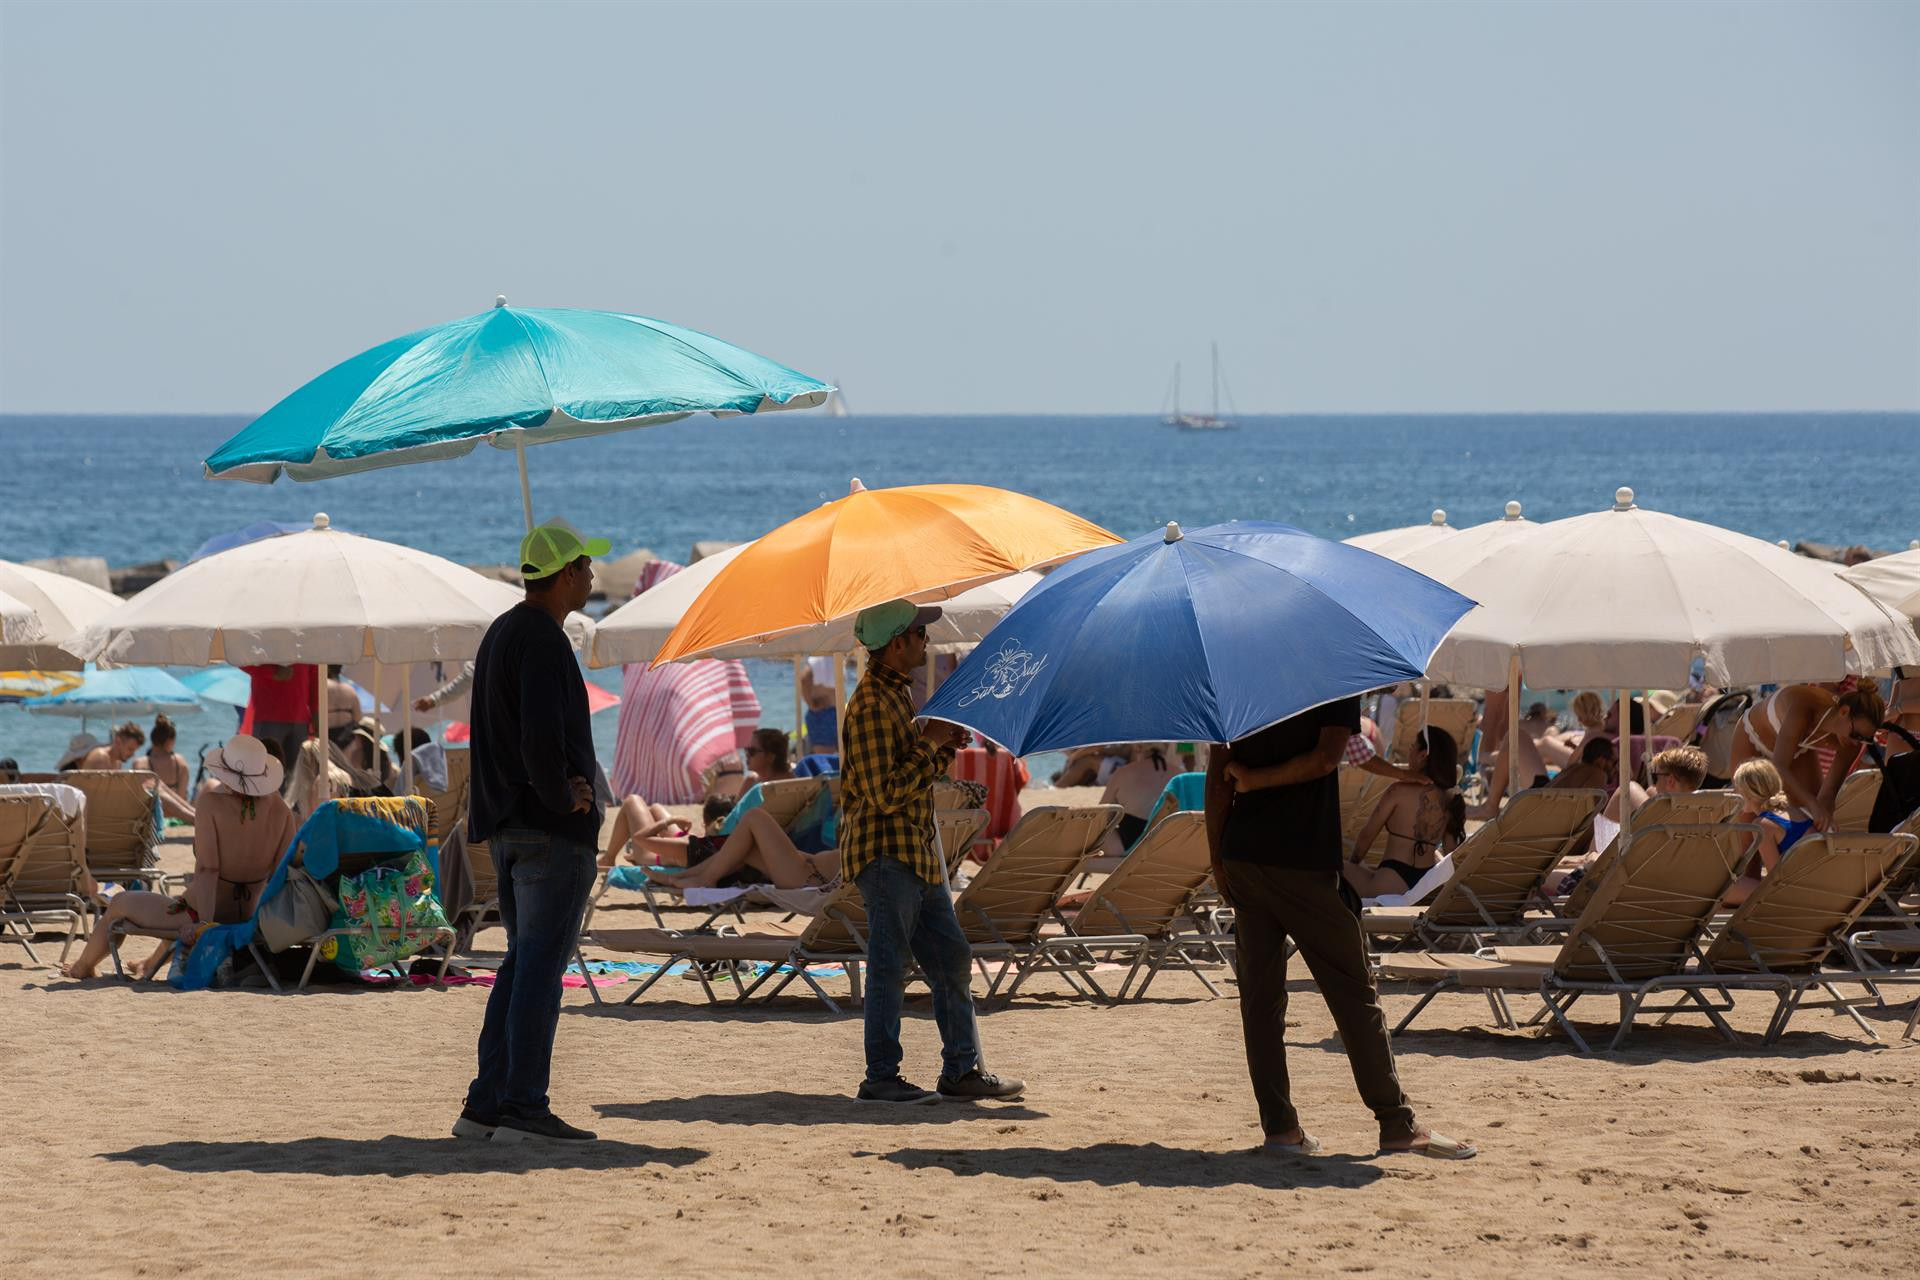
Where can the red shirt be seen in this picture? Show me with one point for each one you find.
(282, 700)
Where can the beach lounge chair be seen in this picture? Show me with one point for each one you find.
(1495, 890)
(449, 806)
(1678, 721)
(1458, 716)
(122, 823)
(835, 937)
(1004, 906)
(36, 846)
(1360, 794)
(1853, 804)
(1135, 915)
(1183, 792)
(1686, 808)
(1637, 935)
(1789, 927)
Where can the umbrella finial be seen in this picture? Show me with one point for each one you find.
(1439, 517)
(1623, 499)
(1784, 545)
(1173, 531)
(499, 301)
(1914, 545)
(320, 520)
(1513, 511)
(856, 487)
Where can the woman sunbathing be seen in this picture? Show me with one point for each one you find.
(1789, 728)
(1762, 803)
(649, 833)
(1422, 822)
(243, 829)
(757, 847)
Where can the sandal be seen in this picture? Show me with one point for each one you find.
(1437, 1147)
(1307, 1146)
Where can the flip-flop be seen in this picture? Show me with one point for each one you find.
(1437, 1147)
(1307, 1146)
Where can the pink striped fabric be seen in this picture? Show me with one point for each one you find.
(677, 720)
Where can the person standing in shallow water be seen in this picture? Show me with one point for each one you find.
(1273, 831)
(534, 802)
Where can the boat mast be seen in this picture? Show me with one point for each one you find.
(1176, 390)
(1216, 381)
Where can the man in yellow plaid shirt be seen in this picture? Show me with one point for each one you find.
(887, 848)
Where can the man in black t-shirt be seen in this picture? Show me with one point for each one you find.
(1273, 829)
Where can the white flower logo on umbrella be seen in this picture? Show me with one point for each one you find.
(1008, 674)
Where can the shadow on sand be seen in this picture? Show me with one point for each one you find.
(1148, 1164)
(395, 1156)
(780, 1107)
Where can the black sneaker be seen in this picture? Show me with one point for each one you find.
(475, 1126)
(894, 1090)
(978, 1084)
(548, 1127)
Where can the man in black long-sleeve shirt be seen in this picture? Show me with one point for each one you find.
(532, 798)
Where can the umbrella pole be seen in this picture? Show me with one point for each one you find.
(526, 487)
(406, 743)
(321, 740)
(799, 701)
(378, 722)
(1626, 764)
(1512, 751)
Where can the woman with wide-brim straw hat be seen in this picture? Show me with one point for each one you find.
(242, 828)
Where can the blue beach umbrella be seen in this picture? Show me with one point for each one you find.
(223, 684)
(1202, 637)
(512, 376)
(124, 691)
(249, 533)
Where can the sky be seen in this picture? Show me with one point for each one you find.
(981, 208)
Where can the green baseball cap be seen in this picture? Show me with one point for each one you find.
(881, 623)
(551, 547)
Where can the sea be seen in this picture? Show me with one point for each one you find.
(130, 488)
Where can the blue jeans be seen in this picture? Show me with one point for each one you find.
(906, 915)
(544, 883)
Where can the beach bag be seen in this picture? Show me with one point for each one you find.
(1719, 721)
(396, 908)
(299, 912)
(1899, 783)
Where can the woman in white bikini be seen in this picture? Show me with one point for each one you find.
(1791, 725)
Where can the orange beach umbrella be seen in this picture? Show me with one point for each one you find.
(923, 542)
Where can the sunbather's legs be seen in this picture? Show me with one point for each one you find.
(759, 842)
(146, 912)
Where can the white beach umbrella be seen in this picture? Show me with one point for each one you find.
(1627, 599)
(1394, 543)
(635, 631)
(319, 596)
(19, 624)
(1892, 580)
(62, 607)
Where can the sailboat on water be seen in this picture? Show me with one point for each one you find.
(837, 405)
(1172, 416)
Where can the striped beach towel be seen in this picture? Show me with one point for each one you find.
(677, 720)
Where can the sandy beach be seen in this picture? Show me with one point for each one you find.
(155, 1133)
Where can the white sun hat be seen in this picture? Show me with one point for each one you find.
(242, 764)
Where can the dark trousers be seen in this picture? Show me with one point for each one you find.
(908, 918)
(1272, 904)
(286, 736)
(544, 883)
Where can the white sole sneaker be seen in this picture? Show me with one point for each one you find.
(506, 1133)
(932, 1099)
(472, 1130)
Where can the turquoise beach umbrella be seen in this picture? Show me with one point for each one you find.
(111, 695)
(512, 376)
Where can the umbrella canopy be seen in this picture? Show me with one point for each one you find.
(227, 685)
(319, 596)
(512, 376)
(18, 622)
(109, 695)
(1394, 543)
(17, 686)
(63, 607)
(635, 631)
(1627, 599)
(926, 542)
(1892, 580)
(1206, 636)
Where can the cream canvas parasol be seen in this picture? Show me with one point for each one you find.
(61, 607)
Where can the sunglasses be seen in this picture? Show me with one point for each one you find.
(920, 631)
